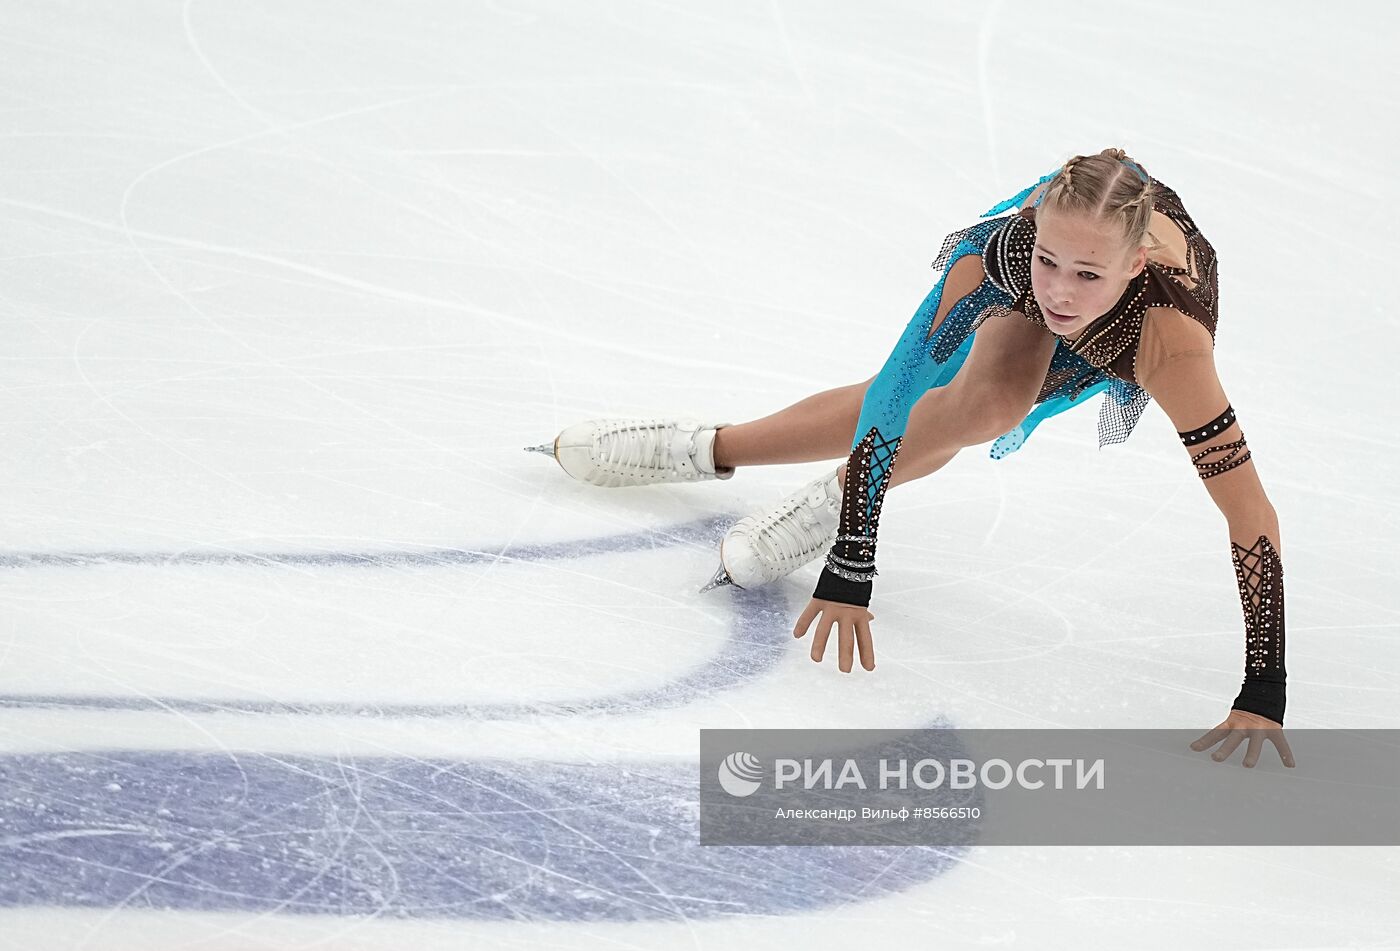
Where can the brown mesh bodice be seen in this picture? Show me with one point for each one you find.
(1180, 274)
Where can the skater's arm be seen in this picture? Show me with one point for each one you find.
(907, 374)
(1182, 379)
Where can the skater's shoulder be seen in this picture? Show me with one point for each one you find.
(1166, 242)
(1168, 335)
(1007, 255)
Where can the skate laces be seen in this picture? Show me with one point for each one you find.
(788, 536)
(649, 450)
(785, 542)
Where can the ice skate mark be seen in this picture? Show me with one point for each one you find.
(759, 630)
(400, 837)
(699, 531)
(985, 31)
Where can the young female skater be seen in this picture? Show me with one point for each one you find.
(1099, 281)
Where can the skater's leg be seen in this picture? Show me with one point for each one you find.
(818, 427)
(993, 391)
(979, 392)
(822, 426)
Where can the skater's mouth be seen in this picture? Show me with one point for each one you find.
(1060, 317)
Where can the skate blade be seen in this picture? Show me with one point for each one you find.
(550, 449)
(720, 579)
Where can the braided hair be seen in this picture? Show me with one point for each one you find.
(1110, 187)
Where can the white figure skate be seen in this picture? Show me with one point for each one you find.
(617, 452)
(760, 549)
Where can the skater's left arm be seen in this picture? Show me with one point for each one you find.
(1181, 377)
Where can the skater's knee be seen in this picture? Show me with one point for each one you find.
(1001, 421)
(998, 413)
(982, 413)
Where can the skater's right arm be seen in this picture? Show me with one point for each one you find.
(847, 576)
(843, 591)
(844, 588)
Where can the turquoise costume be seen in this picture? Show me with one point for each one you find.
(1100, 360)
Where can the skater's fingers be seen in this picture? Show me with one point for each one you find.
(1235, 738)
(1276, 737)
(1211, 738)
(824, 624)
(1256, 744)
(805, 620)
(866, 644)
(847, 645)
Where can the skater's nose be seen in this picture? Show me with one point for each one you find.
(1061, 301)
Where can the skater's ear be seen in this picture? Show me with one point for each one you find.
(1137, 260)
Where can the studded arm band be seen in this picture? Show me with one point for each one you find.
(1215, 460)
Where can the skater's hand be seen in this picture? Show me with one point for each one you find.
(1239, 726)
(853, 625)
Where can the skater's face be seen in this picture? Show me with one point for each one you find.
(1080, 267)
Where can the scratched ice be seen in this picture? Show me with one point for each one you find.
(297, 647)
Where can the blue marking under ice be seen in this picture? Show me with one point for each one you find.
(404, 838)
(759, 632)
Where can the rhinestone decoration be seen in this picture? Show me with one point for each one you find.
(1105, 352)
(1209, 470)
(1211, 429)
(1259, 571)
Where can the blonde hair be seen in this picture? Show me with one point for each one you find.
(1109, 187)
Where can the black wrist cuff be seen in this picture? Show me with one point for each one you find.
(832, 587)
(1264, 697)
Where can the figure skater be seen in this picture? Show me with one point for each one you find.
(1098, 281)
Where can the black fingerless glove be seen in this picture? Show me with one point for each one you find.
(1259, 571)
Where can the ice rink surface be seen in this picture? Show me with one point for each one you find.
(298, 649)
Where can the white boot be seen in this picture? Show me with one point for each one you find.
(760, 549)
(618, 452)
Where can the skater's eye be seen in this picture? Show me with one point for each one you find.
(1087, 275)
